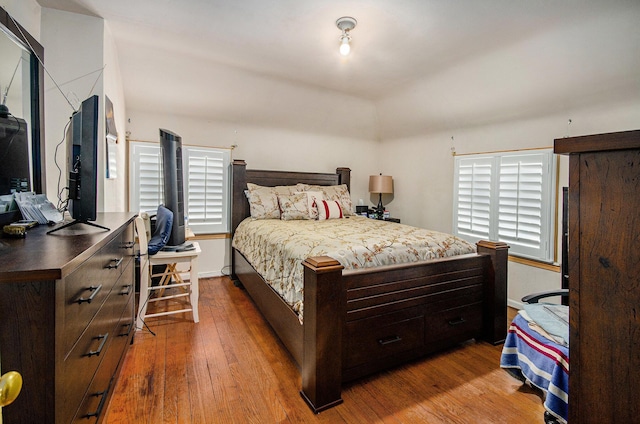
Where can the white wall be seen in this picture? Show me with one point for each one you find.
(115, 189)
(26, 13)
(82, 58)
(74, 59)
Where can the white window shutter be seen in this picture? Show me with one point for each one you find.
(515, 189)
(146, 190)
(206, 186)
(207, 191)
(473, 197)
(520, 200)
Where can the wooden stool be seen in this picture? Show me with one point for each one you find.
(189, 288)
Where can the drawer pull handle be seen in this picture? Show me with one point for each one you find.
(127, 292)
(129, 327)
(102, 343)
(95, 291)
(100, 405)
(116, 264)
(389, 340)
(127, 245)
(457, 321)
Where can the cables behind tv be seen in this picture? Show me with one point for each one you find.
(62, 204)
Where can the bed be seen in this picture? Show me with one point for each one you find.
(360, 321)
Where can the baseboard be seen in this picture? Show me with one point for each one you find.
(208, 274)
(514, 304)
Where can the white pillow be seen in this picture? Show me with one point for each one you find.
(293, 206)
(329, 209)
(263, 202)
(336, 192)
(313, 201)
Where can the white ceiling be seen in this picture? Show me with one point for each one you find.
(396, 45)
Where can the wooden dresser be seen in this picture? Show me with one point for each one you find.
(66, 318)
(604, 276)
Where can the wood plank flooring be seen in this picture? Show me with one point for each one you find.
(231, 368)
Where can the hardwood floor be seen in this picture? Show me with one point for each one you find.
(231, 368)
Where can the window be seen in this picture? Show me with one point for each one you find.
(206, 193)
(507, 197)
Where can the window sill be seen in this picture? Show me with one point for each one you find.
(534, 263)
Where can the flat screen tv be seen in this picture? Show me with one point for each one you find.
(171, 147)
(82, 165)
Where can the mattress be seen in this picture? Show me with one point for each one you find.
(276, 248)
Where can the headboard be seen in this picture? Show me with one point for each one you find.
(240, 176)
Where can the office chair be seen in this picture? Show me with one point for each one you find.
(537, 350)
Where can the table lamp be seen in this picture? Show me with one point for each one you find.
(380, 184)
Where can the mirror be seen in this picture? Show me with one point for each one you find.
(22, 92)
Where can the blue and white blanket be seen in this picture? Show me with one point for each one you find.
(543, 362)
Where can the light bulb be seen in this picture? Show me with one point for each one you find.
(345, 48)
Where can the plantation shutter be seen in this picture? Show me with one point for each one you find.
(473, 195)
(523, 183)
(146, 173)
(507, 197)
(206, 187)
(207, 208)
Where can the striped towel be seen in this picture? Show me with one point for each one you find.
(541, 361)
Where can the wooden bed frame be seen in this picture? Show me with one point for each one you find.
(357, 322)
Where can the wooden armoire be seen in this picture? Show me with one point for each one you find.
(604, 276)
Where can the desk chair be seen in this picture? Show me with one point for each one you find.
(536, 351)
(189, 290)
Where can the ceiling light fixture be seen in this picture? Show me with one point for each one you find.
(345, 24)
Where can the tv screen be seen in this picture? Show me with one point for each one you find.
(82, 165)
(83, 162)
(171, 146)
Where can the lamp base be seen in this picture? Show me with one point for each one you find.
(380, 208)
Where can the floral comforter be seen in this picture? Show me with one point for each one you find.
(277, 248)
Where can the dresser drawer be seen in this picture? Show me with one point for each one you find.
(374, 338)
(121, 250)
(455, 324)
(105, 336)
(87, 288)
(122, 292)
(97, 396)
(83, 361)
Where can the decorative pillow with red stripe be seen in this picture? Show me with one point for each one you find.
(329, 209)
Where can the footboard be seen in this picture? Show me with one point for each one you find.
(371, 319)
